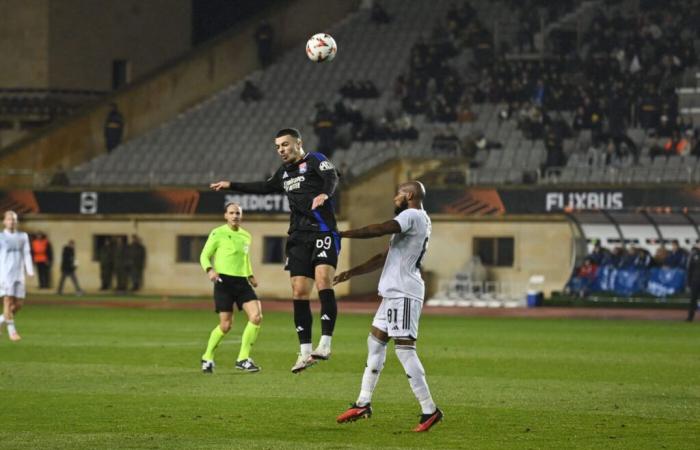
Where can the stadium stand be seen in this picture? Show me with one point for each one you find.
(571, 127)
(208, 140)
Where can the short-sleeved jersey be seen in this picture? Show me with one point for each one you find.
(231, 252)
(15, 257)
(401, 275)
(302, 181)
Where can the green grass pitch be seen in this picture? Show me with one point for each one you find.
(128, 378)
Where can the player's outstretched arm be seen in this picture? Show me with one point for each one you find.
(374, 230)
(269, 186)
(368, 266)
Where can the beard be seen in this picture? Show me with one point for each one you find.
(402, 207)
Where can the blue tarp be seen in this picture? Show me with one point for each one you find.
(658, 281)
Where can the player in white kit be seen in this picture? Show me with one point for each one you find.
(15, 259)
(402, 290)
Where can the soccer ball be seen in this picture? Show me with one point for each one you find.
(321, 47)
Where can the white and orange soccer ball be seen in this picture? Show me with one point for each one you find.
(321, 47)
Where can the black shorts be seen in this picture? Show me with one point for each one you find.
(306, 250)
(232, 290)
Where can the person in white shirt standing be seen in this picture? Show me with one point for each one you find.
(402, 290)
(15, 259)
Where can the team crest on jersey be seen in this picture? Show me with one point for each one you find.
(326, 165)
(302, 167)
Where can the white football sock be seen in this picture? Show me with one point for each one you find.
(325, 341)
(11, 327)
(306, 349)
(416, 377)
(376, 356)
(2, 318)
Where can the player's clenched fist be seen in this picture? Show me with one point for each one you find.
(219, 185)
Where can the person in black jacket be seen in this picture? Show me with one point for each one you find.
(68, 267)
(309, 181)
(694, 280)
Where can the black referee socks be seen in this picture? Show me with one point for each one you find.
(303, 320)
(329, 311)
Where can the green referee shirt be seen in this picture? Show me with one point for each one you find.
(230, 250)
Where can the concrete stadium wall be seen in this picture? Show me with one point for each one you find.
(24, 43)
(163, 275)
(542, 247)
(85, 36)
(167, 92)
(70, 44)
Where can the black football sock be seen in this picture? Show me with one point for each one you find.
(303, 320)
(329, 311)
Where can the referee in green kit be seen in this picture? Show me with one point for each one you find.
(233, 280)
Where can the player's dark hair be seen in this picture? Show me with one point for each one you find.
(289, 132)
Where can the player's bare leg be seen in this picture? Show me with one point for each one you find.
(301, 291)
(329, 311)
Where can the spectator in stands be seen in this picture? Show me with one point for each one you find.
(59, 178)
(677, 257)
(649, 109)
(68, 267)
(595, 154)
(655, 147)
(400, 87)
(325, 128)
(378, 14)
(676, 145)
(693, 278)
(264, 36)
(250, 92)
(442, 111)
(106, 259)
(42, 254)
(114, 128)
(555, 149)
(446, 142)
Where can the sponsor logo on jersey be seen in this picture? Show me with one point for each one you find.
(302, 167)
(326, 165)
(323, 254)
(285, 175)
(293, 183)
(395, 328)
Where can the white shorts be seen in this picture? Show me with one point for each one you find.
(398, 317)
(16, 289)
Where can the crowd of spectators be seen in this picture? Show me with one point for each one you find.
(340, 126)
(623, 74)
(638, 260)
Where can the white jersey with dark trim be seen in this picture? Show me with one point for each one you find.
(15, 257)
(401, 275)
